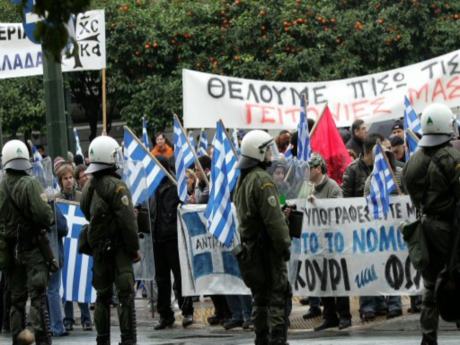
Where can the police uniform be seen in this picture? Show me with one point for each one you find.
(28, 274)
(432, 179)
(106, 203)
(262, 225)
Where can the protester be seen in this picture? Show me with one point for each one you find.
(280, 170)
(241, 308)
(432, 179)
(336, 311)
(162, 147)
(380, 305)
(283, 140)
(65, 177)
(398, 149)
(265, 240)
(191, 182)
(358, 135)
(112, 239)
(397, 129)
(354, 180)
(163, 218)
(80, 176)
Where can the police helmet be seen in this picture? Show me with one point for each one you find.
(437, 125)
(104, 153)
(15, 156)
(254, 147)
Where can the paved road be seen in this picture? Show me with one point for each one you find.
(400, 331)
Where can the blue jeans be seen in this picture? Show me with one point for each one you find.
(54, 301)
(240, 306)
(376, 304)
(84, 311)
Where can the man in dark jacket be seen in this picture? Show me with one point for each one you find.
(163, 207)
(357, 172)
(358, 135)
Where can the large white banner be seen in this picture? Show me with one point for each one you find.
(246, 103)
(20, 57)
(207, 267)
(344, 252)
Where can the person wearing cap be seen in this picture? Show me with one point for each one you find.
(398, 129)
(398, 149)
(432, 179)
(112, 239)
(336, 309)
(265, 240)
(24, 212)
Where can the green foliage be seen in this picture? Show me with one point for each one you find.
(149, 42)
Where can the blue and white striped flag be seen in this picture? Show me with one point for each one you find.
(412, 144)
(191, 140)
(78, 149)
(219, 209)
(145, 134)
(236, 143)
(184, 159)
(382, 184)
(203, 144)
(411, 120)
(303, 139)
(142, 183)
(77, 273)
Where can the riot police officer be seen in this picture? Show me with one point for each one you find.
(24, 213)
(112, 237)
(432, 179)
(265, 240)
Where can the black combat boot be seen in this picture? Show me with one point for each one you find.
(278, 336)
(42, 338)
(103, 339)
(429, 339)
(261, 338)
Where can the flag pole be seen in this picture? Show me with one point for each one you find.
(391, 170)
(197, 162)
(411, 133)
(104, 104)
(173, 180)
(228, 138)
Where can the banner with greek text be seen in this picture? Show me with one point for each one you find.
(207, 266)
(245, 103)
(20, 57)
(343, 251)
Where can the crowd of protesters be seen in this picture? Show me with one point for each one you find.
(230, 311)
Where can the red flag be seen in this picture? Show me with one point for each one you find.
(326, 141)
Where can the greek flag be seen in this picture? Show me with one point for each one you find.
(411, 120)
(142, 183)
(223, 171)
(412, 144)
(203, 144)
(78, 149)
(303, 139)
(37, 157)
(145, 135)
(191, 140)
(77, 273)
(184, 159)
(382, 184)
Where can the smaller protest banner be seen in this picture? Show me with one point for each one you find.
(20, 57)
(207, 266)
(343, 251)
